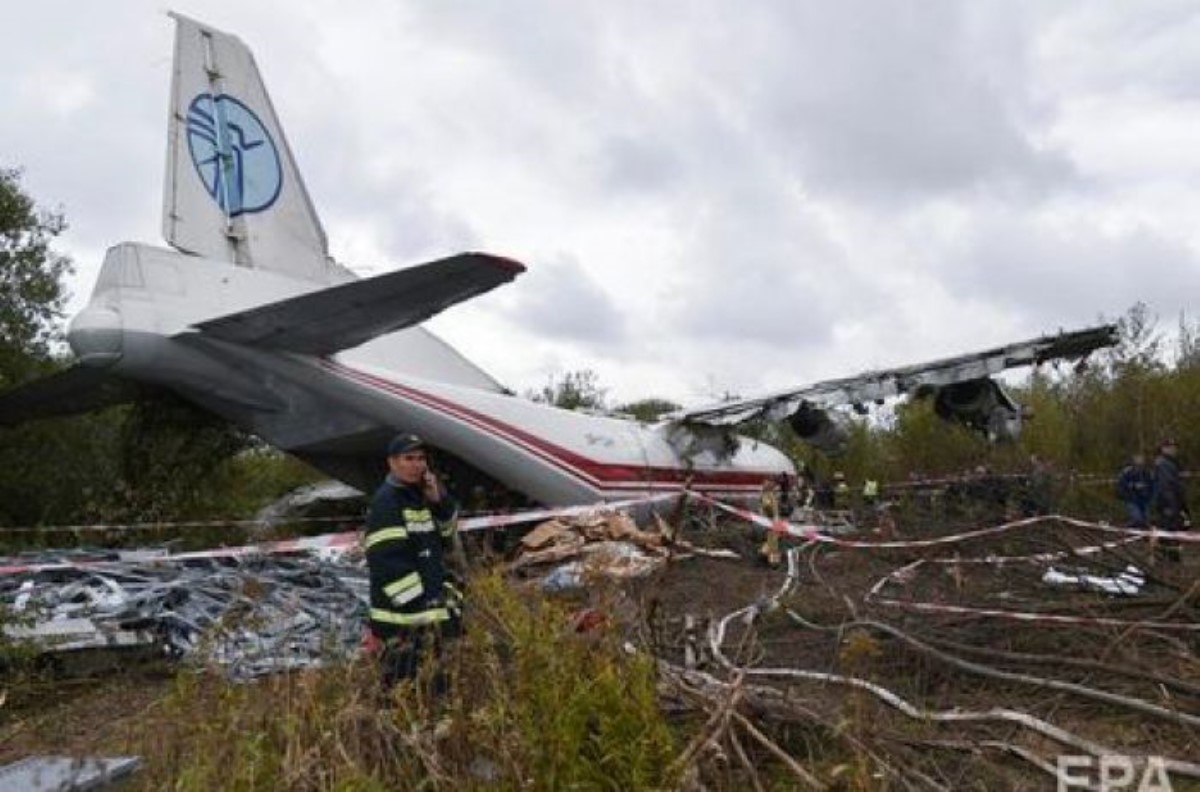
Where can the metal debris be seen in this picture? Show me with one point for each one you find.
(64, 773)
(249, 616)
(303, 501)
(1127, 582)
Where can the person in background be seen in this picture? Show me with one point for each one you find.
(1170, 499)
(870, 494)
(769, 504)
(414, 604)
(1039, 488)
(787, 496)
(1135, 488)
(841, 491)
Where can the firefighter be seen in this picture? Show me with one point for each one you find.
(414, 604)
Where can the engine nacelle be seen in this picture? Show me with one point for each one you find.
(822, 429)
(982, 405)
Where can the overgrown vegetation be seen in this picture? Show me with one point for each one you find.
(531, 704)
(158, 458)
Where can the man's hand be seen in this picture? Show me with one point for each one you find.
(433, 487)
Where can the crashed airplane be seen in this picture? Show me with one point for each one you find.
(248, 317)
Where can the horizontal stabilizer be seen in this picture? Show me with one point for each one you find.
(344, 316)
(78, 389)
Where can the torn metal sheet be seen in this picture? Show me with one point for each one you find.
(64, 773)
(250, 615)
(77, 633)
(301, 501)
(1128, 582)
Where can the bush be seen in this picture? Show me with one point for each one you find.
(530, 704)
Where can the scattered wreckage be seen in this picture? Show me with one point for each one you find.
(249, 615)
(969, 630)
(275, 606)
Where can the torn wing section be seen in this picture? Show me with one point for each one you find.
(962, 387)
(344, 316)
(78, 389)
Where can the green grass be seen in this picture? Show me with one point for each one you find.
(530, 705)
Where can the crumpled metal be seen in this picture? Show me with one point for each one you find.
(248, 616)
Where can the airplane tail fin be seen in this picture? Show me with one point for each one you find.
(233, 190)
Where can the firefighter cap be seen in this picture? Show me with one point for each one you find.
(403, 443)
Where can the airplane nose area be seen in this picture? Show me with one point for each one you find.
(96, 336)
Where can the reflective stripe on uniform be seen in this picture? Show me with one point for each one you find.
(405, 589)
(449, 527)
(431, 616)
(385, 535)
(418, 520)
(454, 597)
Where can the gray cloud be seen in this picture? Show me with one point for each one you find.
(925, 99)
(733, 196)
(1073, 271)
(560, 300)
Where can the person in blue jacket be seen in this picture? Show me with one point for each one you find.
(1170, 498)
(414, 603)
(1135, 488)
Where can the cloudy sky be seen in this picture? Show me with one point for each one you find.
(710, 197)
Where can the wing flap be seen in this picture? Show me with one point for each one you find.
(344, 316)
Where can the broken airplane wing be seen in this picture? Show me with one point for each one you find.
(962, 387)
(74, 390)
(871, 386)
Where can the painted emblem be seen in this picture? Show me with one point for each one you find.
(234, 155)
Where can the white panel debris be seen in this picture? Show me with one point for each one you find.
(1128, 582)
(64, 773)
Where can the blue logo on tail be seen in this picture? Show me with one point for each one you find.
(233, 154)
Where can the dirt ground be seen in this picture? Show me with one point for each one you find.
(964, 661)
(935, 661)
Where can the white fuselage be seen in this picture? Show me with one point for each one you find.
(338, 411)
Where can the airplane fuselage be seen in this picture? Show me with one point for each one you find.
(337, 411)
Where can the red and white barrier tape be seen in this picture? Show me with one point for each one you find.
(810, 532)
(813, 533)
(1024, 616)
(498, 520)
(347, 539)
(160, 526)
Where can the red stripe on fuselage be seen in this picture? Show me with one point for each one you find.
(601, 475)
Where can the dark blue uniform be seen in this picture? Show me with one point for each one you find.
(1170, 502)
(411, 593)
(1135, 488)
